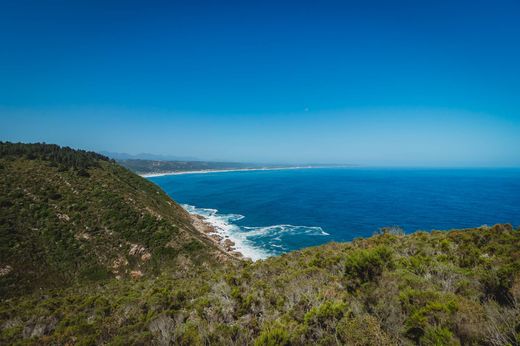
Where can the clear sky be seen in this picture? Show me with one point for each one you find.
(414, 83)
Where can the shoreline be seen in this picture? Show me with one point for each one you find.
(233, 239)
(205, 171)
(223, 242)
(221, 230)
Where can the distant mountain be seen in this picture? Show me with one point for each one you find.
(146, 156)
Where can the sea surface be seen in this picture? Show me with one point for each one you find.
(271, 212)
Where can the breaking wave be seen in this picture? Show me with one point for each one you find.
(256, 242)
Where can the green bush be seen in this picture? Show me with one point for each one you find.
(362, 330)
(438, 336)
(274, 336)
(363, 266)
(328, 311)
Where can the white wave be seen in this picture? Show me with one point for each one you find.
(224, 228)
(245, 237)
(287, 229)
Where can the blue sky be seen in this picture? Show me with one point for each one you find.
(416, 83)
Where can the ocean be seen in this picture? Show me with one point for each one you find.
(267, 212)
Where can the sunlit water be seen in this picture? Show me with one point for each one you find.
(270, 212)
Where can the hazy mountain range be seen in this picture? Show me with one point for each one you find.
(147, 156)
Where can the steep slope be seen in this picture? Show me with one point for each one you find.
(68, 216)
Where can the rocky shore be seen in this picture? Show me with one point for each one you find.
(223, 242)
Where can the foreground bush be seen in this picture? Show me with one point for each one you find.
(384, 290)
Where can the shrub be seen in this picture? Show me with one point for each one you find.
(434, 314)
(497, 282)
(438, 336)
(363, 266)
(95, 272)
(363, 330)
(469, 256)
(274, 336)
(326, 312)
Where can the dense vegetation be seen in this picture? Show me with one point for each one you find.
(69, 216)
(439, 288)
(444, 288)
(62, 157)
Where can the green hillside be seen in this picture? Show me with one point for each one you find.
(67, 216)
(65, 223)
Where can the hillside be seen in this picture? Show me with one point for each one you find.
(76, 228)
(67, 216)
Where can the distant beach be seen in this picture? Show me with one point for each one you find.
(205, 171)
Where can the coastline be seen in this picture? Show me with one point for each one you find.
(205, 171)
(237, 241)
(225, 244)
(222, 230)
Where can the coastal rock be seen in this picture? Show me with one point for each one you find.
(154, 213)
(228, 244)
(136, 274)
(216, 237)
(162, 328)
(63, 217)
(118, 264)
(4, 270)
(125, 313)
(200, 224)
(82, 236)
(140, 251)
(199, 217)
(12, 323)
(502, 228)
(237, 254)
(184, 264)
(39, 327)
(136, 249)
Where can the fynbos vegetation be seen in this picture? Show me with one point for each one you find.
(68, 216)
(108, 258)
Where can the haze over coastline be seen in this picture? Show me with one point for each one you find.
(424, 84)
(207, 171)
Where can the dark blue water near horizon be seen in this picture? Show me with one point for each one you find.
(347, 202)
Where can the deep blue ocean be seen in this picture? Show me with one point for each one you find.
(271, 212)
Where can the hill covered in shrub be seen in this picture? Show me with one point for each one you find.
(69, 216)
(69, 234)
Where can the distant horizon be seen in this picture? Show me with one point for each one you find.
(429, 83)
(154, 157)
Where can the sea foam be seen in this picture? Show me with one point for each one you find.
(254, 242)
